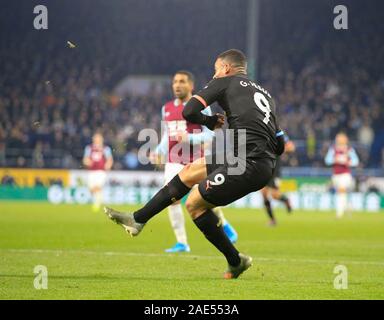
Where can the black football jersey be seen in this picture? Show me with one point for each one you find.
(247, 106)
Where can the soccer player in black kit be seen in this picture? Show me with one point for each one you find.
(249, 109)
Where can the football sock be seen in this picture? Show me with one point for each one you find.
(210, 225)
(170, 193)
(268, 207)
(176, 216)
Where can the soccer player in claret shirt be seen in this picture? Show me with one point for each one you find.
(341, 156)
(98, 159)
(250, 111)
(179, 131)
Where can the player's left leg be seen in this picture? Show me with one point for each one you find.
(341, 202)
(97, 198)
(268, 205)
(342, 183)
(350, 185)
(278, 195)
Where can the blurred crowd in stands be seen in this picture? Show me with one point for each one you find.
(54, 97)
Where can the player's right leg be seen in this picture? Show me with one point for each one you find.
(175, 212)
(278, 195)
(342, 183)
(341, 202)
(220, 188)
(173, 191)
(96, 181)
(268, 206)
(211, 226)
(176, 217)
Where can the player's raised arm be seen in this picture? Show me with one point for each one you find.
(353, 158)
(161, 148)
(280, 142)
(330, 157)
(108, 158)
(205, 135)
(192, 113)
(87, 157)
(212, 92)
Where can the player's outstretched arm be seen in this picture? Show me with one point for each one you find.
(87, 162)
(330, 157)
(108, 156)
(212, 92)
(162, 147)
(86, 157)
(205, 136)
(280, 142)
(157, 157)
(161, 150)
(109, 163)
(354, 159)
(192, 113)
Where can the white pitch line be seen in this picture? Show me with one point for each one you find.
(189, 256)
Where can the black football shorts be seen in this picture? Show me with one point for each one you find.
(274, 183)
(222, 187)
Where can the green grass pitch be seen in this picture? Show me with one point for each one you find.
(89, 257)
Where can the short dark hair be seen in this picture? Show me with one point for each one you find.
(235, 57)
(189, 75)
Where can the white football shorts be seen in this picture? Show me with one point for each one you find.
(343, 181)
(96, 178)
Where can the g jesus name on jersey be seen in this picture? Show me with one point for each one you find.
(249, 107)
